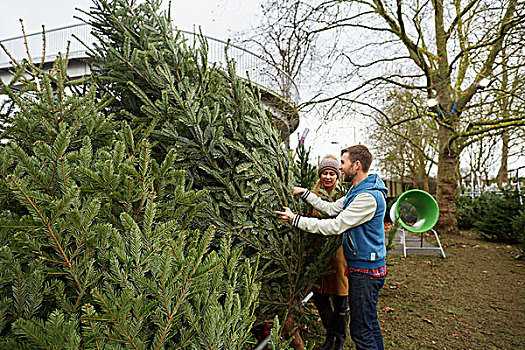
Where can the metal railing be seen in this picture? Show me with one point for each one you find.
(56, 41)
(248, 64)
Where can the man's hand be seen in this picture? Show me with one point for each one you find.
(285, 215)
(298, 190)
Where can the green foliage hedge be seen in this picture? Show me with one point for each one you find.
(97, 244)
(467, 211)
(495, 216)
(518, 223)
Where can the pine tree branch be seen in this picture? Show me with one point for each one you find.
(50, 230)
(220, 220)
(22, 158)
(63, 207)
(191, 116)
(84, 286)
(35, 337)
(165, 301)
(116, 319)
(10, 258)
(81, 103)
(261, 171)
(91, 325)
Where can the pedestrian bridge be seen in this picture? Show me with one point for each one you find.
(279, 93)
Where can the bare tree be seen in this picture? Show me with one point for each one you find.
(480, 161)
(289, 39)
(509, 92)
(450, 49)
(405, 149)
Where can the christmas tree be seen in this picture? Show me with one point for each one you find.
(140, 213)
(305, 172)
(220, 134)
(97, 245)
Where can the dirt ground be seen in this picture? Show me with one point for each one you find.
(473, 299)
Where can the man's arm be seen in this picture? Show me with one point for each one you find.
(361, 210)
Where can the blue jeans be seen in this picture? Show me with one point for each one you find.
(364, 327)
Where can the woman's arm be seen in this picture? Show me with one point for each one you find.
(362, 209)
(329, 208)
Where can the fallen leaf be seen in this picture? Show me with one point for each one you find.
(476, 246)
(484, 272)
(508, 247)
(395, 287)
(455, 335)
(387, 309)
(519, 265)
(428, 321)
(428, 262)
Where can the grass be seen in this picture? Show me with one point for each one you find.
(474, 299)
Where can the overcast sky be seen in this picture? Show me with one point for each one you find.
(218, 18)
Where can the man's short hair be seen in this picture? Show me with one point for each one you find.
(359, 153)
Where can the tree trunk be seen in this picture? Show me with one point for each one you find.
(422, 179)
(446, 185)
(426, 184)
(290, 330)
(413, 177)
(503, 174)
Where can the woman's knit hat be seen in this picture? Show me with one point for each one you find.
(330, 163)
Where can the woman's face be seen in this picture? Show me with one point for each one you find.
(328, 178)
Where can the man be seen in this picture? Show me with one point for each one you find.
(359, 217)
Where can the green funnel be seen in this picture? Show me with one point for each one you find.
(426, 208)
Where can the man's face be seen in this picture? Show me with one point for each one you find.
(348, 168)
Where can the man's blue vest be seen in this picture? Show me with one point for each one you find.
(364, 245)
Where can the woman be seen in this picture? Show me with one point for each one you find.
(334, 312)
